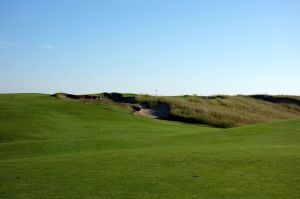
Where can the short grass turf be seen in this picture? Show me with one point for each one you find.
(51, 148)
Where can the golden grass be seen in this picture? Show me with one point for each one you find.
(224, 111)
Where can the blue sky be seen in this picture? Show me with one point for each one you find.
(177, 47)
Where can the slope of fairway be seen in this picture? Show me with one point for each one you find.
(51, 148)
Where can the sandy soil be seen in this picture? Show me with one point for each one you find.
(161, 112)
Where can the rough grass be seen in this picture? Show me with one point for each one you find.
(224, 111)
(52, 148)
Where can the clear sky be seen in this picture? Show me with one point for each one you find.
(177, 47)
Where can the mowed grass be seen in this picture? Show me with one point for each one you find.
(51, 148)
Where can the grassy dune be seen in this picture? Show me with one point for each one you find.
(52, 148)
(227, 111)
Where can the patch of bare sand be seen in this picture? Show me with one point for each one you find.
(160, 112)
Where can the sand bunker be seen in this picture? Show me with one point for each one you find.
(159, 112)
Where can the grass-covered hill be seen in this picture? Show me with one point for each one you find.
(220, 110)
(53, 148)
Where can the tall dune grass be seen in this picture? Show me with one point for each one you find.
(223, 111)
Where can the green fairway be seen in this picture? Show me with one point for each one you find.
(52, 148)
